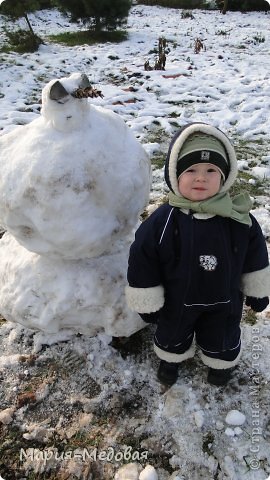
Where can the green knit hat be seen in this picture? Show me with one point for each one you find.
(203, 148)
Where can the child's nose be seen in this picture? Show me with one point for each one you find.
(201, 177)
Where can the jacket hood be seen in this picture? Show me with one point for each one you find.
(177, 144)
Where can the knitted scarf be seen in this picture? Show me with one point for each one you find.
(220, 204)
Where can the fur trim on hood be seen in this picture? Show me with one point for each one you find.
(177, 144)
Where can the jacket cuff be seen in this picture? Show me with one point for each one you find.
(145, 300)
(256, 284)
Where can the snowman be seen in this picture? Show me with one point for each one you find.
(73, 184)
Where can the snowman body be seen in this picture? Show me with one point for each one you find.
(73, 184)
(72, 181)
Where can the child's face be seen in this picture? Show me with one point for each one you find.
(199, 182)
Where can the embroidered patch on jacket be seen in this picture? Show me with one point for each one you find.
(208, 262)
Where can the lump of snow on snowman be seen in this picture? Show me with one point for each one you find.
(73, 184)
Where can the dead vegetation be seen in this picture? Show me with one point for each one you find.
(199, 46)
(160, 61)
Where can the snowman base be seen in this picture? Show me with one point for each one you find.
(86, 296)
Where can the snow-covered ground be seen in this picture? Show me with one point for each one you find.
(85, 406)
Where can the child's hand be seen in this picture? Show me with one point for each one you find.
(257, 304)
(150, 317)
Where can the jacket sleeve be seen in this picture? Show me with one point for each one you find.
(145, 292)
(255, 281)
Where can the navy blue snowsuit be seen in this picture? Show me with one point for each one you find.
(200, 263)
(189, 272)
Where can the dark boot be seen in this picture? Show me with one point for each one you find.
(219, 377)
(167, 372)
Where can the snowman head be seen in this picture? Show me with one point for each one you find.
(64, 102)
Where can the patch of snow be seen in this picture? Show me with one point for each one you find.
(199, 418)
(234, 417)
(261, 171)
(127, 472)
(148, 473)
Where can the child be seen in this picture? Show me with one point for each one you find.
(195, 258)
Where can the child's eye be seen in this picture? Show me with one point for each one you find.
(211, 170)
(190, 170)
